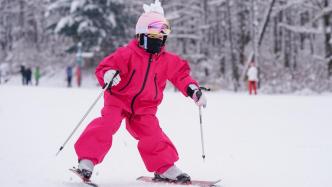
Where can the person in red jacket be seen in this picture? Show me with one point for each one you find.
(143, 67)
(78, 74)
(252, 78)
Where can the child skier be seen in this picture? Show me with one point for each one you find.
(144, 66)
(252, 78)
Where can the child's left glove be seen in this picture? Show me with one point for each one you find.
(197, 95)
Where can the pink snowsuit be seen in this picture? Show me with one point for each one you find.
(135, 99)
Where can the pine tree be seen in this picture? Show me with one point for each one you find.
(99, 25)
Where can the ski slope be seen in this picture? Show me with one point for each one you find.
(262, 141)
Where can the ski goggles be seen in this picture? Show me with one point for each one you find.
(157, 36)
(159, 28)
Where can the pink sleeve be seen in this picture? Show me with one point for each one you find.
(113, 61)
(179, 75)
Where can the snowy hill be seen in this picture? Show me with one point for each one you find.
(262, 141)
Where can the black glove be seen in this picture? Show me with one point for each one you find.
(197, 95)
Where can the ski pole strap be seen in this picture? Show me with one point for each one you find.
(204, 88)
(105, 85)
(109, 85)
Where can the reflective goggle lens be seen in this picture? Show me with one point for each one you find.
(158, 36)
(159, 28)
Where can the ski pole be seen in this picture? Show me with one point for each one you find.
(105, 87)
(201, 124)
(202, 134)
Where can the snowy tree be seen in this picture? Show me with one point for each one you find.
(23, 35)
(291, 40)
(327, 29)
(100, 26)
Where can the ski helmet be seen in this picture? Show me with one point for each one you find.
(153, 21)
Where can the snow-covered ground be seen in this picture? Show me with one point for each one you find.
(258, 141)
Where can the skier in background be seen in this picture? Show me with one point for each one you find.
(28, 74)
(252, 78)
(69, 75)
(144, 66)
(37, 75)
(23, 74)
(78, 75)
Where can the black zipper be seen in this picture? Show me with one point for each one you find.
(143, 86)
(131, 77)
(156, 86)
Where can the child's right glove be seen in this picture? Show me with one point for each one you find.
(108, 76)
(197, 95)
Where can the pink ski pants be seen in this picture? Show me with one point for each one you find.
(155, 148)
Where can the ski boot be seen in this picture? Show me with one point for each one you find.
(85, 169)
(174, 175)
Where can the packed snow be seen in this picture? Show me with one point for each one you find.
(250, 141)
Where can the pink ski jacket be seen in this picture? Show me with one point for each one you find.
(143, 78)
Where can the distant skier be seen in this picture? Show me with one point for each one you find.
(69, 75)
(23, 74)
(37, 75)
(144, 67)
(78, 74)
(28, 76)
(252, 78)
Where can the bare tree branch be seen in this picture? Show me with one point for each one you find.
(266, 21)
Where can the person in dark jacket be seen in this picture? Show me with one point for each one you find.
(23, 74)
(28, 75)
(69, 75)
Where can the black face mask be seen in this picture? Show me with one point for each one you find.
(151, 45)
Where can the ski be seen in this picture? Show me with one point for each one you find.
(199, 183)
(85, 181)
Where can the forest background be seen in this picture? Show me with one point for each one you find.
(290, 40)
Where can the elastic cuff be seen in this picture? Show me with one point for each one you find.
(94, 161)
(162, 169)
